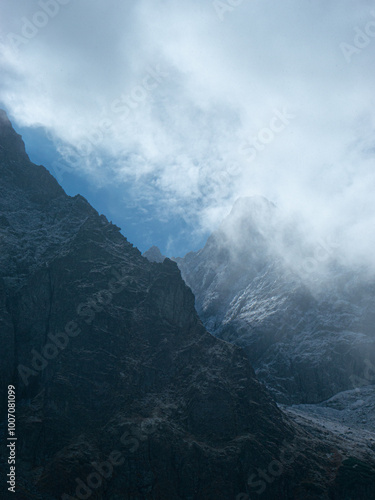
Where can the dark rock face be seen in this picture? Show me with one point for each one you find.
(306, 339)
(121, 392)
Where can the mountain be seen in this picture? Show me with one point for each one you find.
(305, 321)
(154, 254)
(120, 390)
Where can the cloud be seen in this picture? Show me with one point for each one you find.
(163, 96)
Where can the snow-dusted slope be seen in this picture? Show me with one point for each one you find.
(305, 321)
(354, 409)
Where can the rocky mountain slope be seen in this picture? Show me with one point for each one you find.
(306, 322)
(120, 390)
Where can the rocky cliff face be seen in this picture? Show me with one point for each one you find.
(121, 392)
(305, 322)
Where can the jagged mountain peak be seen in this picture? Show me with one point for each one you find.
(154, 254)
(12, 146)
(251, 221)
(3, 117)
(251, 204)
(18, 172)
(246, 236)
(256, 210)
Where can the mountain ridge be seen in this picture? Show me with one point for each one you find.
(120, 390)
(307, 336)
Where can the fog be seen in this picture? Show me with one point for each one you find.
(196, 104)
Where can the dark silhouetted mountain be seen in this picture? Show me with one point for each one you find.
(121, 392)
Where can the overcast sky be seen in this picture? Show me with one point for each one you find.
(185, 106)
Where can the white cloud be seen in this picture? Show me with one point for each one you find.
(178, 140)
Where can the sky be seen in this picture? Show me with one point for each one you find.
(162, 113)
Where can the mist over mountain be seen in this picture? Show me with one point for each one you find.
(239, 137)
(304, 317)
(121, 392)
(180, 108)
